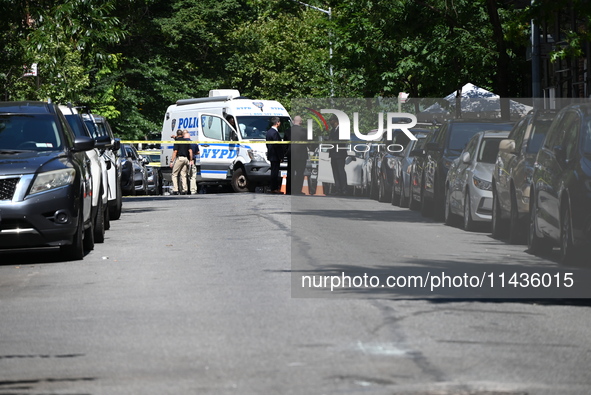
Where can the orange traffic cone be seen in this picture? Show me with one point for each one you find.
(319, 189)
(284, 184)
(305, 188)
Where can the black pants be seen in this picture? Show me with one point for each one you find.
(295, 173)
(339, 175)
(275, 182)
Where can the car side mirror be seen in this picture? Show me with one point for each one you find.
(507, 146)
(466, 157)
(145, 160)
(102, 142)
(83, 143)
(116, 145)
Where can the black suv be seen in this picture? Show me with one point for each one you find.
(441, 148)
(45, 180)
(560, 200)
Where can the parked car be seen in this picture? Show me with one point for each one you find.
(139, 172)
(98, 169)
(468, 188)
(415, 172)
(100, 128)
(383, 160)
(45, 180)
(400, 163)
(440, 150)
(512, 176)
(560, 210)
(154, 172)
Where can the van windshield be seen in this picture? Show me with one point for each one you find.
(255, 127)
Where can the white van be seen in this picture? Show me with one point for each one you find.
(228, 155)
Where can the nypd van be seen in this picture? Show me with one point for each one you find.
(231, 132)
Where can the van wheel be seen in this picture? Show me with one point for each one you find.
(239, 181)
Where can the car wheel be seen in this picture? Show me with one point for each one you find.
(373, 189)
(425, 205)
(498, 224)
(107, 219)
(535, 244)
(569, 253)
(99, 222)
(89, 237)
(403, 201)
(240, 181)
(438, 202)
(75, 251)
(450, 217)
(468, 221)
(382, 198)
(395, 196)
(413, 204)
(516, 231)
(115, 210)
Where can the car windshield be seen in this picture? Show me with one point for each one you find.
(255, 127)
(461, 133)
(489, 148)
(37, 132)
(537, 135)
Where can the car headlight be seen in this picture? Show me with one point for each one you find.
(482, 184)
(255, 156)
(52, 179)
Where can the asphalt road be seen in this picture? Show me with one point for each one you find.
(201, 295)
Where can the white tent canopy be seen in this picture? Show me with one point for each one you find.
(474, 99)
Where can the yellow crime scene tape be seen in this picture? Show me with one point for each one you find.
(224, 142)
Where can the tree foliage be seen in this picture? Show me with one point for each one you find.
(130, 59)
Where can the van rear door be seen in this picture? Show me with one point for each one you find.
(217, 152)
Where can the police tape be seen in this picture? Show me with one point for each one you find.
(225, 142)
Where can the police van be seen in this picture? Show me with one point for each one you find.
(230, 131)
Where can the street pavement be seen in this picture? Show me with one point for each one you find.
(201, 295)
